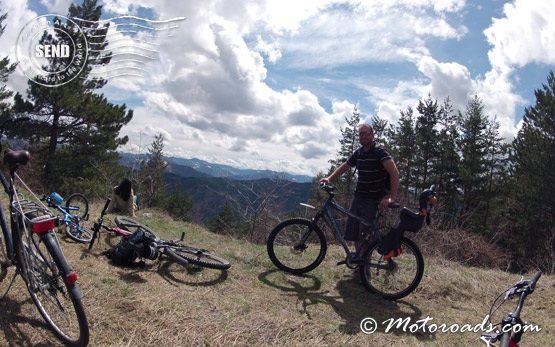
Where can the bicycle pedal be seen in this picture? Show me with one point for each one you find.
(342, 262)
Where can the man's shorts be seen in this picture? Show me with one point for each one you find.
(364, 207)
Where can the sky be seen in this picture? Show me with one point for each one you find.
(267, 84)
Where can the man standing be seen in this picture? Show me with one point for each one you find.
(378, 180)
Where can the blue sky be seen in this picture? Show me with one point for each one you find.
(267, 83)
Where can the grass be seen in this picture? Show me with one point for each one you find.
(254, 304)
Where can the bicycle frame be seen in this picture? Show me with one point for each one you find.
(14, 233)
(326, 212)
(8, 237)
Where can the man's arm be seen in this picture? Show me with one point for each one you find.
(393, 172)
(338, 172)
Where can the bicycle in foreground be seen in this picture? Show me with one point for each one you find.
(32, 247)
(74, 211)
(391, 266)
(512, 326)
(145, 244)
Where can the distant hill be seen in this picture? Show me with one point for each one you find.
(211, 194)
(200, 168)
(212, 186)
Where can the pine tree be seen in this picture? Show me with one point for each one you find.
(152, 173)
(403, 142)
(348, 144)
(6, 68)
(473, 144)
(446, 165)
(70, 126)
(426, 141)
(225, 221)
(532, 203)
(178, 203)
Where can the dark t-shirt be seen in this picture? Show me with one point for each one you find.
(373, 179)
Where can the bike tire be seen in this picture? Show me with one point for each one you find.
(42, 266)
(77, 205)
(393, 279)
(79, 232)
(185, 255)
(296, 246)
(131, 224)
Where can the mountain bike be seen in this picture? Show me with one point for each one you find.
(32, 247)
(74, 211)
(155, 248)
(512, 326)
(391, 265)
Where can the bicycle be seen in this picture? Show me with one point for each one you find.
(512, 329)
(74, 211)
(32, 247)
(156, 248)
(392, 266)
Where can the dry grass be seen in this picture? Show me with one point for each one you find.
(253, 304)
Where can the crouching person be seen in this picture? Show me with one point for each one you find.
(122, 199)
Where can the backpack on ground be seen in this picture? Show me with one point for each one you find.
(137, 245)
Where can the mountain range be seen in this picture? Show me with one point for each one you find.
(213, 186)
(200, 168)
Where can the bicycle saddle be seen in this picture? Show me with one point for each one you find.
(14, 158)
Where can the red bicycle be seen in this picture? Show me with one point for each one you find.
(155, 247)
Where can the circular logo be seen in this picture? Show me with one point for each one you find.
(51, 50)
(368, 326)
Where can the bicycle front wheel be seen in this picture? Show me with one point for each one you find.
(130, 224)
(79, 232)
(396, 277)
(185, 255)
(44, 268)
(77, 205)
(296, 246)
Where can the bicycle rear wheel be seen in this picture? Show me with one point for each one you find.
(396, 277)
(296, 246)
(79, 232)
(185, 255)
(53, 289)
(77, 205)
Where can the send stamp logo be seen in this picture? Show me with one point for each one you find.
(53, 50)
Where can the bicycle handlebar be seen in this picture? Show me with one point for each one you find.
(523, 287)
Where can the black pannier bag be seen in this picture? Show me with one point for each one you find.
(410, 221)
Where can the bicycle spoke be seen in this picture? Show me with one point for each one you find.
(395, 277)
(296, 246)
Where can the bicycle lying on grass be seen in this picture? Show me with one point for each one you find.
(145, 244)
(32, 247)
(512, 326)
(392, 266)
(74, 211)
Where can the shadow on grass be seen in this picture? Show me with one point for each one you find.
(353, 303)
(195, 276)
(14, 324)
(170, 271)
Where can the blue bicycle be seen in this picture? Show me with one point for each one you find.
(74, 210)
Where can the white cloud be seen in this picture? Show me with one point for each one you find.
(526, 34)
(57, 6)
(18, 16)
(209, 88)
(448, 80)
